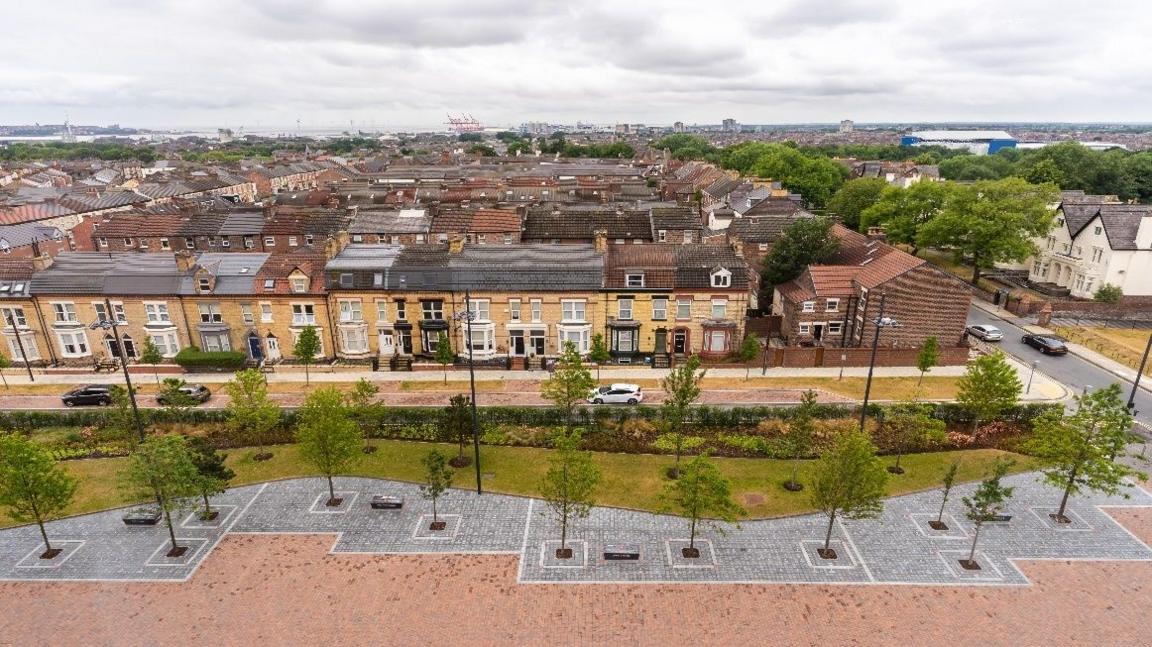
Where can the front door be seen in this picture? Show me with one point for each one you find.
(661, 341)
(817, 331)
(387, 343)
(255, 349)
(516, 343)
(680, 342)
(273, 345)
(536, 343)
(405, 341)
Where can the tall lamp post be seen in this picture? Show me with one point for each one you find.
(20, 345)
(1139, 374)
(109, 323)
(467, 317)
(881, 322)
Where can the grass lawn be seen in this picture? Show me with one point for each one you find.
(1125, 345)
(883, 388)
(629, 480)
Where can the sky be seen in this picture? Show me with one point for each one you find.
(401, 64)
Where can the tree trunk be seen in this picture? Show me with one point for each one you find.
(564, 530)
(43, 534)
(795, 468)
(899, 455)
(828, 535)
(692, 533)
(5, 378)
(156, 373)
(307, 377)
(171, 530)
(435, 517)
(1067, 491)
(921, 380)
(940, 517)
(331, 490)
(207, 505)
(975, 536)
(975, 270)
(445, 373)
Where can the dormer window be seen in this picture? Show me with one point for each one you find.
(346, 279)
(205, 284)
(634, 279)
(299, 284)
(721, 278)
(269, 284)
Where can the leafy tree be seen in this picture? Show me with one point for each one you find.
(703, 495)
(1108, 293)
(989, 386)
(569, 384)
(162, 467)
(854, 197)
(366, 410)
(483, 150)
(683, 146)
(813, 176)
(798, 437)
(32, 486)
(251, 415)
(437, 480)
(909, 425)
(992, 222)
(903, 212)
(458, 423)
(150, 354)
(214, 474)
(928, 357)
(568, 484)
(1082, 451)
(328, 437)
(599, 353)
(306, 348)
(749, 350)
(681, 389)
(470, 137)
(804, 242)
(947, 480)
(985, 504)
(119, 420)
(176, 402)
(969, 168)
(444, 354)
(849, 482)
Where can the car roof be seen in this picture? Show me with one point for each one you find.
(622, 385)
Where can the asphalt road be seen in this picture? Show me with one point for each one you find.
(1070, 370)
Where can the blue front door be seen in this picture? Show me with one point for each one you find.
(255, 348)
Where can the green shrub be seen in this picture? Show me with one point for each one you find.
(192, 358)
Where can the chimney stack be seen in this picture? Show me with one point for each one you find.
(601, 238)
(41, 263)
(877, 233)
(185, 261)
(738, 247)
(456, 244)
(336, 244)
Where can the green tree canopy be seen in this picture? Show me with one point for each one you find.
(570, 481)
(986, 503)
(928, 357)
(251, 414)
(306, 348)
(799, 435)
(437, 479)
(214, 474)
(458, 424)
(989, 386)
(33, 488)
(681, 389)
(903, 212)
(327, 436)
(444, 354)
(849, 481)
(855, 196)
(804, 242)
(162, 468)
(813, 176)
(703, 495)
(569, 384)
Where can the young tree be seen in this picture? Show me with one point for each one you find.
(118, 420)
(366, 410)
(681, 388)
(988, 387)
(306, 348)
(992, 221)
(176, 402)
(150, 354)
(568, 485)
(849, 482)
(598, 353)
(458, 423)
(985, 504)
(1108, 293)
(444, 354)
(853, 197)
(328, 437)
(907, 425)
(701, 494)
(1082, 451)
(569, 384)
(802, 243)
(437, 480)
(251, 415)
(162, 468)
(928, 357)
(749, 350)
(214, 475)
(32, 486)
(798, 437)
(947, 480)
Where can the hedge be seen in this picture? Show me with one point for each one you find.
(193, 358)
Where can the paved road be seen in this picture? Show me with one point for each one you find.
(1071, 370)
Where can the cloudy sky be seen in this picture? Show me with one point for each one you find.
(405, 63)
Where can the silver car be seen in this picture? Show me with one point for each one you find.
(617, 394)
(985, 332)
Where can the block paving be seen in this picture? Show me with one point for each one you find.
(896, 548)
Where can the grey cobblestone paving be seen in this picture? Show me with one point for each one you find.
(897, 548)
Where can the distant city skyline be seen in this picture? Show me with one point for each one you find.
(261, 64)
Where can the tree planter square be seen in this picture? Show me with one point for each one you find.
(843, 557)
(987, 571)
(674, 551)
(162, 557)
(1047, 515)
(424, 531)
(320, 504)
(34, 558)
(224, 513)
(923, 522)
(550, 559)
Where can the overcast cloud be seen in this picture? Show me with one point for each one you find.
(406, 63)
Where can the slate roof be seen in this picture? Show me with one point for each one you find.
(278, 267)
(404, 221)
(1122, 223)
(657, 262)
(242, 223)
(320, 222)
(234, 272)
(102, 273)
(764, 228)
(674, 218)
(32, 212)
(138, 225)
(359, 257)
(529, 267)
(695, 263)
(28, 233)
(545, 224)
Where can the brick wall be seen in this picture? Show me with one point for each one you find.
(797, 357)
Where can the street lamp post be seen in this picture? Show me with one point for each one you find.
(881, 322)
(467, 317)
(20, 345)
(110, 324)
(1139, 374)
(1031, 373)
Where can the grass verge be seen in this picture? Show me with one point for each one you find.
(1125, 345)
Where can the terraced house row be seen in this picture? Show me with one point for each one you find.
(381, 301)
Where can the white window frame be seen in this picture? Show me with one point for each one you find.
(634, 280)
(625, 309)
(835, 327)
(514, 309)
(659, 308)
(17, 314)
(683, 303)
(299, 284)
(303, 314)
(482, 309)
(381, 310)
(351, 311)
(65, 312)
(832, 305)
(156, 312)
(265, 312)
(246, 314)
(537, 307)
(805, 329)
(570, 308)
(78, 339)
(808, 306)
(354, 339)
(720, 306)
(210, 312)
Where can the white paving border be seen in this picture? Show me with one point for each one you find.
(344, 506)
(219, 520)
(544, 553)
(49, 564)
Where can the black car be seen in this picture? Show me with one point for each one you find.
(1046, 344)
(100, 394)
(197, 393)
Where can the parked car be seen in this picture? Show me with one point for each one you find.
(100, 394)
(197, 392)
(985, 332)
(616, 394)
(1046, 344)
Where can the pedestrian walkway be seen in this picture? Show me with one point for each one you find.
(897, 548)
